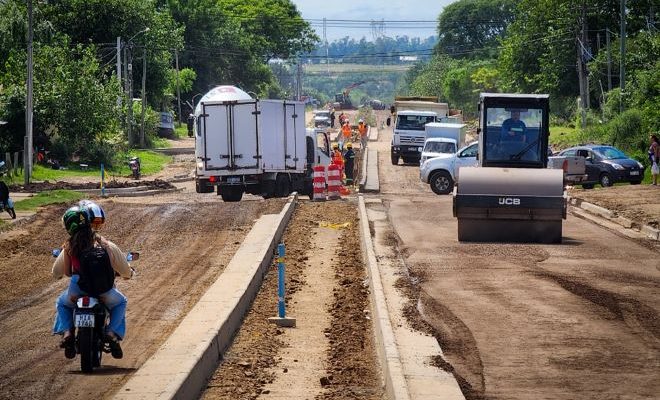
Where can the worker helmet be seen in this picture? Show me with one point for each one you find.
(361, 121)
(74, 219)
(335, 146)
(349, 145)
(95, 213)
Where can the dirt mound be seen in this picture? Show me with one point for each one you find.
(114, 184)
(636, 202)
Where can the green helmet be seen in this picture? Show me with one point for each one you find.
(74, 219)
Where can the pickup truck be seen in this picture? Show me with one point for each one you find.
(574, 168)
(441, 172)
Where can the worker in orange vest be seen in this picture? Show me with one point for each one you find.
(345, 134)
(337, 157)
(362, 128)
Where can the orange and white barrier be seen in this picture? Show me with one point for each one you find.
(334, 181)
(318, 183)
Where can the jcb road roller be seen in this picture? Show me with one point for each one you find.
(511, 196)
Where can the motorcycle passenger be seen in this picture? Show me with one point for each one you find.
(80, 222)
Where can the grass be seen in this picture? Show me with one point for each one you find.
(562, 137)
(150, 163)
(46, 198)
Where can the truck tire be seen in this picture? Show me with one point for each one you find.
(395, 159)
(202, 186)
(441, 182)
(231, 194)
(282, 185)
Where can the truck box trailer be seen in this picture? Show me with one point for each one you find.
(261, 147)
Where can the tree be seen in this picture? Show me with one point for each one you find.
(473, 28)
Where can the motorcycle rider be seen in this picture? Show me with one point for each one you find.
(81, 223)
(5, 202)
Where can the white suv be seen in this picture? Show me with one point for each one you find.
(442, 172)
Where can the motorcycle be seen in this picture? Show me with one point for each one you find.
(6, 204)
(90, 319)
(134, 164)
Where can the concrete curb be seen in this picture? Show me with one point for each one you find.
(647, 230)
(363, 173)
(373, 134)
(396, 386)
(372, 183)
(180, 368)
(129, 192)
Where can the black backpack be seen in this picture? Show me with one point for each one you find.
(96, 273)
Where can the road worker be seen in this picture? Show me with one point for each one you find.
(345, 134)
(362, 128)
(337, 158)
(349, 163)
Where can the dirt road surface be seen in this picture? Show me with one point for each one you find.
(185, 240)
(576, 320)
(330, 354)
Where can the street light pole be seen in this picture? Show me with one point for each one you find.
(27, 154)
(129, 83)
(144, 97)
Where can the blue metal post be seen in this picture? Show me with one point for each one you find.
(102, 180)
(280, 285)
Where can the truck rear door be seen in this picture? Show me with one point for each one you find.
(294, 138)
(231, 137)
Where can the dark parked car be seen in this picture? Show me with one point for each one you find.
(606, 165)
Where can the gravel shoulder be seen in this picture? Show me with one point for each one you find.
(327, 296)
(639, 203)
(185, 240)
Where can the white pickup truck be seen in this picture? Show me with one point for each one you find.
(441, 172)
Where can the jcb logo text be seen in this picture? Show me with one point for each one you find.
(509, 201)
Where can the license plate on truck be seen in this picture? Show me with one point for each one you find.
(84, 320)
(233, 179)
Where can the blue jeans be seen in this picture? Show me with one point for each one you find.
(113, 299)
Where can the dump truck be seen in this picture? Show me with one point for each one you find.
(511, 196)
(261, 147)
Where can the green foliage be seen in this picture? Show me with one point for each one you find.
(472, 28)
(74, 102)
(48, 197)
(367, 115)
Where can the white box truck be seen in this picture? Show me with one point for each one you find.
(261, 147)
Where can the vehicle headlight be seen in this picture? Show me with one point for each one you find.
(200, 164)
(641, 166)
(617, 166)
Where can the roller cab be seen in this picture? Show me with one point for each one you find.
(511, 196)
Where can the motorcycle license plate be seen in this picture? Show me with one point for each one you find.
(84, 320)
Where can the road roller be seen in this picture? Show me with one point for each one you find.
(511, 196)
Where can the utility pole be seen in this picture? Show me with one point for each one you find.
(299, 79)
(119, 67)
(622, 72)
(144, 96)
(27, 154)
(178, 88)
(327, 52)
(129, 104)
(609, 60)
(581, 67)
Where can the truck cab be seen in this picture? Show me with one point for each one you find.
(409, 135)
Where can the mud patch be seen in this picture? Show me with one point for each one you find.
(113, 184)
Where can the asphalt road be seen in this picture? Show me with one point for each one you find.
(522, 321)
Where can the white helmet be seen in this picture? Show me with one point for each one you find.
(95, 213)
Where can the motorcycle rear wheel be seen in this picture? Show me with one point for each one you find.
(88, 349)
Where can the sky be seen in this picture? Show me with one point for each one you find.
(368, 10)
